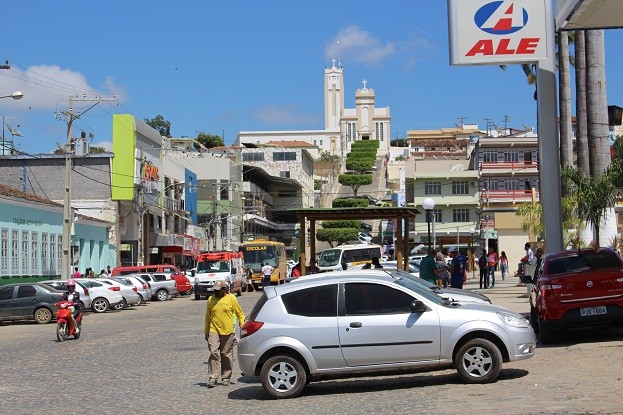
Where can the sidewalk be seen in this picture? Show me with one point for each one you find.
(505, 293)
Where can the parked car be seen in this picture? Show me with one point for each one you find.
(181, 282)
(142, 288)
(103, 297)
(364, 226)
(162, 286)
(127, 290)
(61, 285)
(351, 322)
(576, 289)
(26, 301)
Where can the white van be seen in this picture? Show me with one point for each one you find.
(346, 256)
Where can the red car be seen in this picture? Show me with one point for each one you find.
(576, 289)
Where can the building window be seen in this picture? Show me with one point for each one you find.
(379, 131)
(460, 215)
(284, 155)
(4, 252)
(511, 157)
(320, 143)
(252, 156)
(315, 143)
(224, 190)
(35, 253)
(53, 255)
(491, 185)
(434, 215)
(284, 174)
(44, 254)
(15, 252)
(460, 188)
(490, 156)
(25, 252)
(511, 185)
(432, 188)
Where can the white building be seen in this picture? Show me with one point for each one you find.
(342, 126)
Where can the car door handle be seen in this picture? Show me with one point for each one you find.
(355, 324)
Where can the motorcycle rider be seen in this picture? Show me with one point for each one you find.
(73, 296)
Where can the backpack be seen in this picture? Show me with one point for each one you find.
(482, 261)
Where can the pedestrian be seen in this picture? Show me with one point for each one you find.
(76, 273)
(296, 270)
(484, 272)
(492, 262)
(376, 263)
(428, 267)
(267, 271)
(443, 270)
(219, 332)
(458, 274)
(313, 268)
(108, 271)
(503, 264)
(103, 274)
(248, 272)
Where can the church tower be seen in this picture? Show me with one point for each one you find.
(333, 96)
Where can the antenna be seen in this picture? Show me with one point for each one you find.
(339, 55)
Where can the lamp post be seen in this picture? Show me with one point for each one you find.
(15, 95)
(471, 249)
(428, 204)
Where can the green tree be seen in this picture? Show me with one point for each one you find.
(359, 165)
(337, 235)
(210, 140)
(341, 224)
(355, 181)
(160, 124)
(97, 150)
(326, 156)
(340, 203)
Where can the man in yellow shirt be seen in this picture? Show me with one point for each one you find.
(219, 332)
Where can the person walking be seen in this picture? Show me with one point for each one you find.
(443, 270)
(267, 270)
(428, 267)
(492, 262)
(76, 273)
(503, 264)
(484, 272)
(312, 268)
(219, 332)
(248, 273)
(458, 274)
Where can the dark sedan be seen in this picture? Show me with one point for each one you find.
(25, 301)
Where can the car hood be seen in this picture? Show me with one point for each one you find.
(487, 307)
(466, 294)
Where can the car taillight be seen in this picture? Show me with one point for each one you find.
(250, 327)
(144, 286)
(86, 292)
(548, 289)
(135, 289)
(114, 288)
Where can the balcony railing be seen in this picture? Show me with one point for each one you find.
(510, 166)
(508, 196)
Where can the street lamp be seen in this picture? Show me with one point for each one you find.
(428, 204)
(15, 95)
(472, 261)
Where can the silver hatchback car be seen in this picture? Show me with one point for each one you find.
(373, 321)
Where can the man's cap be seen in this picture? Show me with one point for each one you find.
(452, 249)
(220, 284)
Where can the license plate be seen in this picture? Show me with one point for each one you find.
(593, 311)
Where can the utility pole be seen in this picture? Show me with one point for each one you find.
(68, 149)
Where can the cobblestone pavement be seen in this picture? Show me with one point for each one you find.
(153, 360)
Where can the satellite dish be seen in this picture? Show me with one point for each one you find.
(14, 131)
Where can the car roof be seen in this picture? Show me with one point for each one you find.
(348, 275)
(575, 252)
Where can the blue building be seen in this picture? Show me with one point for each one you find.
(31, 238)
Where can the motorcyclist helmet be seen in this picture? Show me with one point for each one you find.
(71, 283)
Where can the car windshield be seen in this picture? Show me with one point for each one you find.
(407, 280)
(258, 255)
(212, 266)
(329, 257)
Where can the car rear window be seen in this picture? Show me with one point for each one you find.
(312, 302)
(583, 262)
(257, 307)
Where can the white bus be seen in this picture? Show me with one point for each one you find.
(346, 256)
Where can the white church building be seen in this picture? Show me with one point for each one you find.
(342, 126)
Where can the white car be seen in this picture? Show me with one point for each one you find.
(103, 296)
(127, 290)
(141, 286)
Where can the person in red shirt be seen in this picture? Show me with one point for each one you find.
(492, 262)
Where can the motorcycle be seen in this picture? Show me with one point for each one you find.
(64, 323)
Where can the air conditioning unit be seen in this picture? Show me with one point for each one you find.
(473, 183)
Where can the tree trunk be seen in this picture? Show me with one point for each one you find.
(597, 119)
(581, 132)
(564, 86)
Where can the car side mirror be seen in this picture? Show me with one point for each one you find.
(418, 306)
(192, 272)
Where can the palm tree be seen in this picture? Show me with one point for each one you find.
(564, 99)
(581, 132)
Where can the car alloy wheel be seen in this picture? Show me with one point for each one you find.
(162, 295)
(479, 361)
(43, 315)
(283, 377)
(99, 305)
(123, 304)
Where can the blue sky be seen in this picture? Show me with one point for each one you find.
(224, 67)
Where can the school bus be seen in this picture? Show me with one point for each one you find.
(258, 252)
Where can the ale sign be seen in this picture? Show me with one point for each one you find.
(496, 32)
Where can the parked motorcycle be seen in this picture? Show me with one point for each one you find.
(64, 323)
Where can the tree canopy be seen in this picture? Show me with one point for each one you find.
(160, 124)
(210, 140)
(355, 181)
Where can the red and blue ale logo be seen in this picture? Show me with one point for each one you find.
(501, 18)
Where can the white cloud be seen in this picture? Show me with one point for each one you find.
(359, 46)
(286, 114)
(47, 87)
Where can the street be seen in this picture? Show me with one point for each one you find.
(153, 360)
